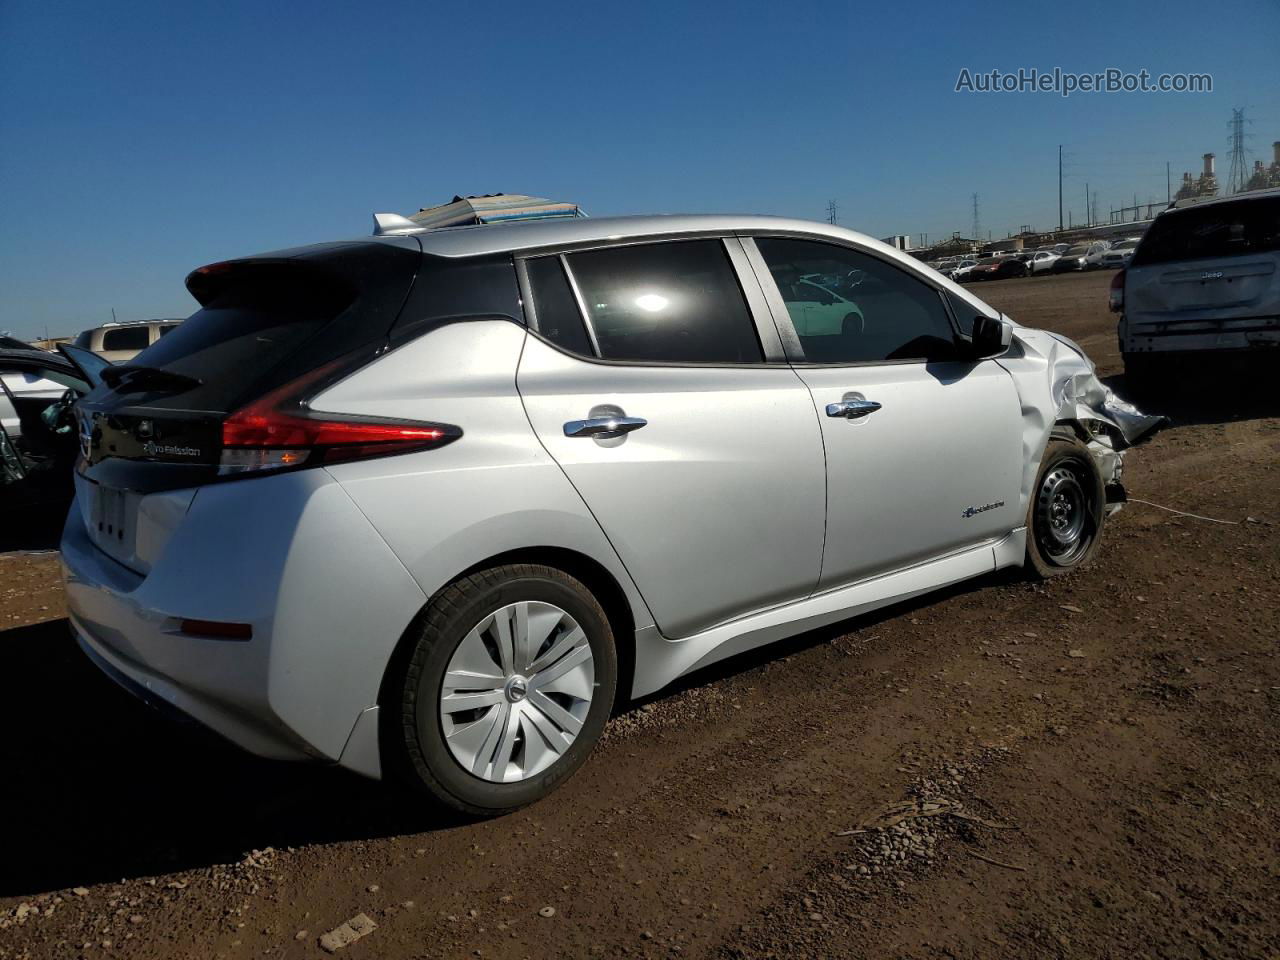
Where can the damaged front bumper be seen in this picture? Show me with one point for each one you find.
(1058, 386)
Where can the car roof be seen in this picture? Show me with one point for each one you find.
(36, 357)
(117, 324)
(520, 236)
(1196, 203)
(532, 235)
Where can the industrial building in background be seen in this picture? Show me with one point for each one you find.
(1263, 177)
(1206, 185)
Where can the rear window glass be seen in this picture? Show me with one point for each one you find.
(246, 331)
(1217, 230)
(268, 321)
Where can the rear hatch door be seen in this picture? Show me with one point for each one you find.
(1197, 265)
(155, 423)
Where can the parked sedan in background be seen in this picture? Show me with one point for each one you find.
(1121, 253)
(1082, 256)
(997, 268)
(961, 272)
(1042, 261)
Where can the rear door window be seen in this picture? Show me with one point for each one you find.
(675, 302)
(1227, 229)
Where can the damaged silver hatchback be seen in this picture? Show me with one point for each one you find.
(426, 504)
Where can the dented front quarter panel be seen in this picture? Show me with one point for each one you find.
(1057, 384)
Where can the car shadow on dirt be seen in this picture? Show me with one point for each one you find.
(99, 786)
(1205, 396)
(38, 532)
(102, 787)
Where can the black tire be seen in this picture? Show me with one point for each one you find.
(1066, 512)
(415, 741)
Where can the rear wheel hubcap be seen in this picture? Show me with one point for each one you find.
(517, 691)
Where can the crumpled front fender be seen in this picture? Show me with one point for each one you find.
(1057, 383)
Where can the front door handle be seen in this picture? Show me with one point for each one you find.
(852, 409)
(603, 428)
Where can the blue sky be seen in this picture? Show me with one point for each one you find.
(140, 140)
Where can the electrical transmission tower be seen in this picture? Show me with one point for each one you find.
(1238, 174)
(831, 212)
(977, 224)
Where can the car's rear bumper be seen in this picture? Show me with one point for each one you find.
(292, 557)
(1209, 336)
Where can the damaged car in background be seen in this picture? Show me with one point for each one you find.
(425, 504)
(38, 431)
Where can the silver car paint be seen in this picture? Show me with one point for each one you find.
(280, 546)
(726, 479)
(444, 511)
(1219, 303)
(286, 546)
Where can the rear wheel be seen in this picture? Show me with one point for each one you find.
(1064, 517)
(506, 690)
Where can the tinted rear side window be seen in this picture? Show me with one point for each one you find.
(559, 319)
(675, 302)
(126, 338)
(1218, 230)
(447, 290)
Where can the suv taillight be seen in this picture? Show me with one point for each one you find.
(279, 431)
(1115, 300)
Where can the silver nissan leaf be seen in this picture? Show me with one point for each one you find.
(427, 505)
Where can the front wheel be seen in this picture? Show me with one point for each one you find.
(1064, 517)
(507, 688)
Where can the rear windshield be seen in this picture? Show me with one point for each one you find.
(1217, 230)
(265, 322)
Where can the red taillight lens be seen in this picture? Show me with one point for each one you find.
(1115, 300)
(217, 630)
(279, 431)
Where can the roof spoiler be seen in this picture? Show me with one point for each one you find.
(394, 225)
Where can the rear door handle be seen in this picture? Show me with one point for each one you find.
(852, 409)
(603, 428)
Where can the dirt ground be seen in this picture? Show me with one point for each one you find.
(1091, 768)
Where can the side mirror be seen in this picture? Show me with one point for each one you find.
(991, 337)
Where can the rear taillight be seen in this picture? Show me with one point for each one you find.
(279, 431)
(1115, 300)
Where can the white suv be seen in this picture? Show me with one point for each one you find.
(121, 342)
(426, 504)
